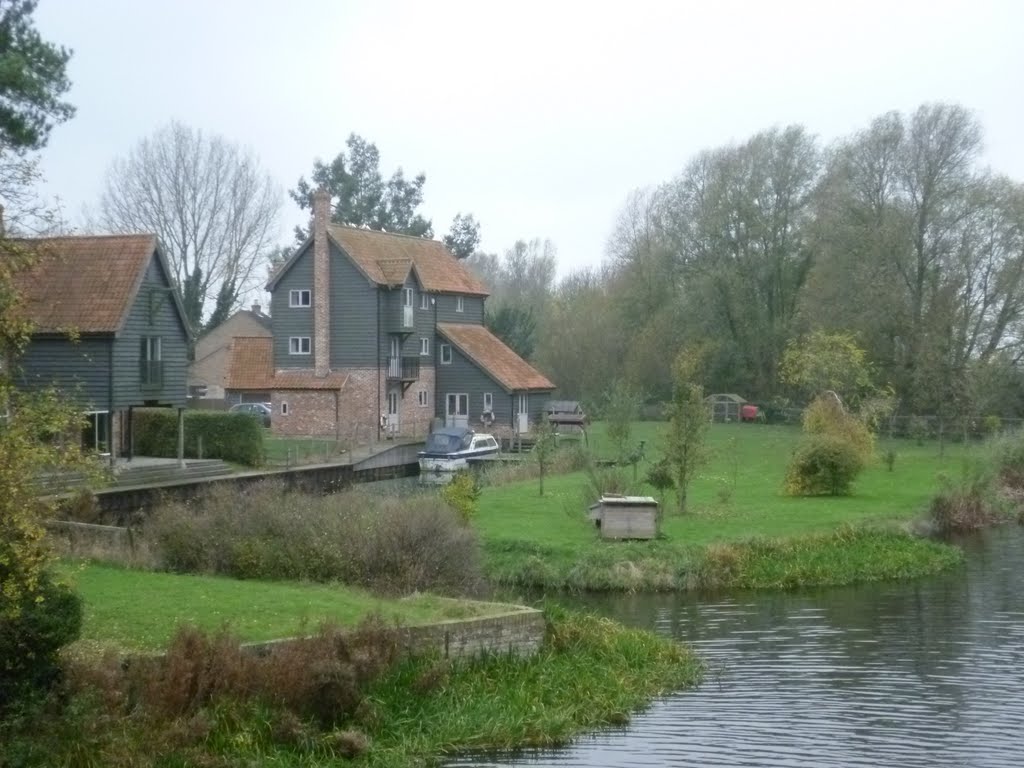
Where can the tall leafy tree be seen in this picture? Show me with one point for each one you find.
(737, 220)
(464, 236)
(213, 208)
(33, 79)
(360, 196)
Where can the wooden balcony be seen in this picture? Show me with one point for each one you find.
(403, 369)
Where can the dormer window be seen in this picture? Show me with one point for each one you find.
(300, 297)
(460, 304)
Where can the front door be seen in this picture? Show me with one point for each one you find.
(392, 425)
(457, 410)
(523, 413)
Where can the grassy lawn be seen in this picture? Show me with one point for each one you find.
(547, 540)
(140, 610)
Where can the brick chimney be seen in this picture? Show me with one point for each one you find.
(321, 284)
(256, 308)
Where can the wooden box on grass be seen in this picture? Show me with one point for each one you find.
(626, 517)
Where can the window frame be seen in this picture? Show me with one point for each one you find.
(284, 407)
(295, 296)
(424, 301)
(421, 398)
(424, 346)
(295, 345)
(460, 303)
(489, 401)
(445, 348)
(408, 297)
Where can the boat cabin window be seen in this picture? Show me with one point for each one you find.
(439, 442)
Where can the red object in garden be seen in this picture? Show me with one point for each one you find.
(748, 413)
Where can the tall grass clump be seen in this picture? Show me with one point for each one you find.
(567, 457)
(388, 544)
(210, 701)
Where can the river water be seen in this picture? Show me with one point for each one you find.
(925, 673)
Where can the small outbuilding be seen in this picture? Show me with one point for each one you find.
(725, 406)
(626, 517)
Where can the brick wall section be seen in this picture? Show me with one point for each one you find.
(321, 284)
(359, 410)
(311, 413)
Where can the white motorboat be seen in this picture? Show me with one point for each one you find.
(449, 449)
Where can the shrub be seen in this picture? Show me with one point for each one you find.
(823, 464)
(826, 416)
(1008, 459)
(236, 437)
(461, 494)
(29, 640)
(384, 543)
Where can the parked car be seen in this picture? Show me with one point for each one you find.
(260, 410)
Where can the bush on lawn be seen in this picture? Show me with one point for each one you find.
(823, 464)
(389, 544)
(236, 437)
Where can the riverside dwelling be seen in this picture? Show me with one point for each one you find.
(207, 374)
(109, 331)
(375, 335)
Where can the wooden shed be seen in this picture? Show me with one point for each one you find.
(625, 517)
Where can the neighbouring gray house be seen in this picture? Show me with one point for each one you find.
(377, 334)
(109, 331)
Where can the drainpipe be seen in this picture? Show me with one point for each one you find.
(377, 415)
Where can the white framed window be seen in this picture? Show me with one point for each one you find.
(300, 297)
(299, 345)
(284, 408)
(460, 304)
(425, 346)
(446, 354)
(424, 301)
(488, 401)
(421, 398)
(407, 297)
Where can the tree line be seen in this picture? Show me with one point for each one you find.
(896, 235)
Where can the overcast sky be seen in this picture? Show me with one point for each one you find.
(538, 118)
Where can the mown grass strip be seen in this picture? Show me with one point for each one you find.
(140, 610)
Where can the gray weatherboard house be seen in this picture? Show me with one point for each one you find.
(109, 331)
(376, 335)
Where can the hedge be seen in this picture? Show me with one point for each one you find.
(236, 437)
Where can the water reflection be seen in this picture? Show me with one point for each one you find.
(919, 674)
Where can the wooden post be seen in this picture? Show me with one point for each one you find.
(181, 438)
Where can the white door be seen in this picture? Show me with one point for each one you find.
(392, 426)
(523, 413)
(456, 412)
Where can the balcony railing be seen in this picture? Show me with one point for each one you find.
(151, 374)
(402, 368)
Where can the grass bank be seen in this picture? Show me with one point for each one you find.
(590, 672)
(141, 610)
(741, 530)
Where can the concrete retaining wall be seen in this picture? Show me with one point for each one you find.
(519, 632)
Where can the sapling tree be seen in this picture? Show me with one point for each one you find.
(686, 439)
(621, 407)
(543, 448)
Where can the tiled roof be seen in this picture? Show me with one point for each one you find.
(381, 256)
(251, 366)
(84, 283)
(492, 355)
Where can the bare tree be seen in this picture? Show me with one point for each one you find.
(214, 210)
